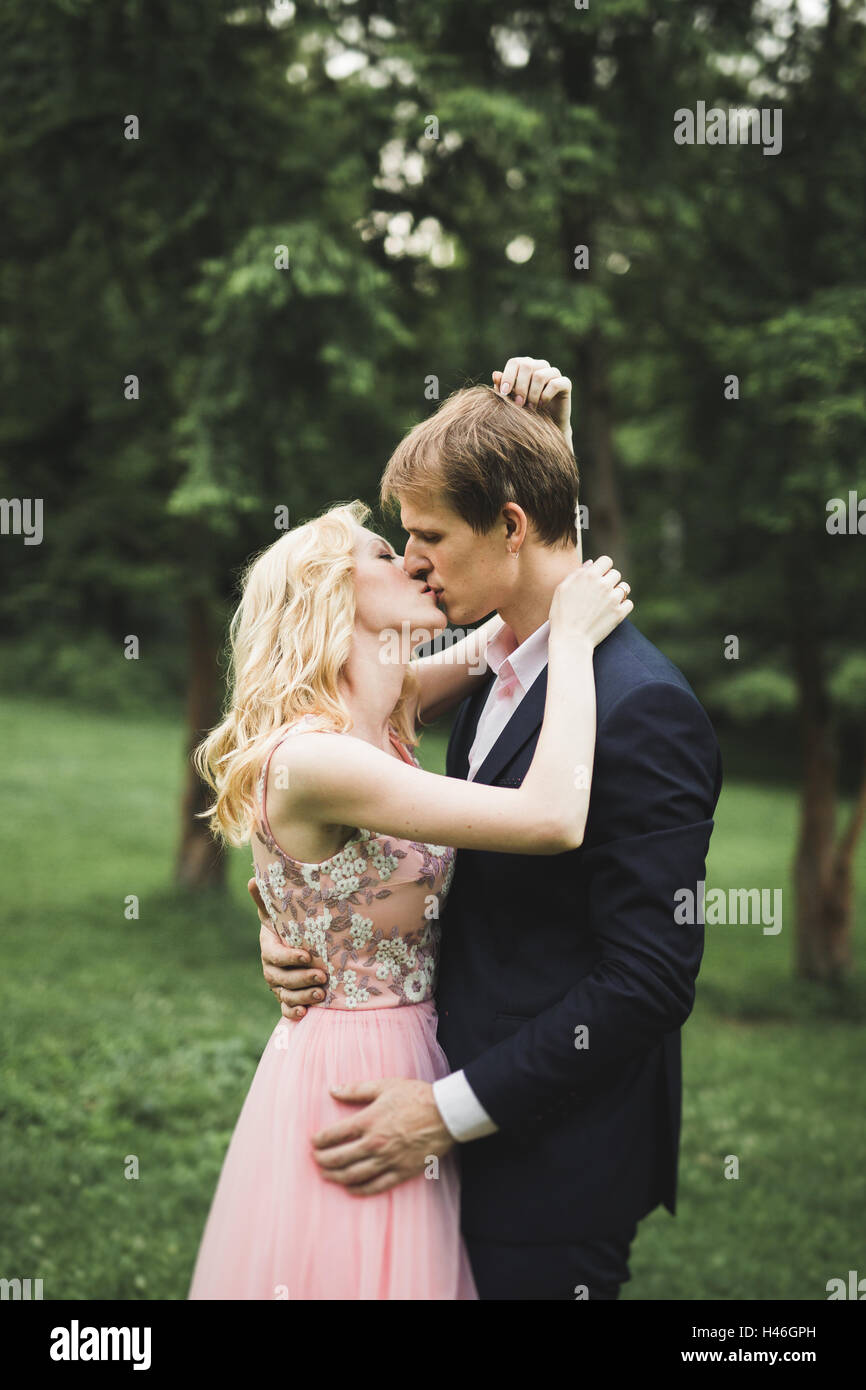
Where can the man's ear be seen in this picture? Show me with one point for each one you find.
(516, 524)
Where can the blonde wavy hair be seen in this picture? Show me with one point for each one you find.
(290, 639)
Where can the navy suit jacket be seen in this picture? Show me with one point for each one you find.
(536, 949)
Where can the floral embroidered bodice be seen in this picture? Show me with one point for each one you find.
(371, 911)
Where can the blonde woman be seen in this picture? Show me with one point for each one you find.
(353, 847)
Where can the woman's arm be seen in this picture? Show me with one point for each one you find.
(447, 677)
(335, 779)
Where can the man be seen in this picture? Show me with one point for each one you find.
(563, 985)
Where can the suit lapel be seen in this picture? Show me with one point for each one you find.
(463, 733)
(527, 718)
(521, 726)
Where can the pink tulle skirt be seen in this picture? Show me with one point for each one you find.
(277, 1229)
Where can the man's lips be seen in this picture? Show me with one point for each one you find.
(430, 589)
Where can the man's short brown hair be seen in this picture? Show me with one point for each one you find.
(480, 451)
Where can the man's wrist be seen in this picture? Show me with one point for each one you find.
(462, 1113)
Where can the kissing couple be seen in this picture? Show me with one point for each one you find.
(474, 1087)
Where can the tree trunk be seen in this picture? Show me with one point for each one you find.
(822, 869)
(840, 893)
(201, 858)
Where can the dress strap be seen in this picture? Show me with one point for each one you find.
(405, 753)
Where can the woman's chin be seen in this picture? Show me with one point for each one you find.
(431, 619)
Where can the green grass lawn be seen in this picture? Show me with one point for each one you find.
(134, 1041)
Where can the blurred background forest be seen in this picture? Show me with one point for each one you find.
(244, 249)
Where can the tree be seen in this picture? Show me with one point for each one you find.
(195, 385)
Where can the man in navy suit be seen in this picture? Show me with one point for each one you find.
(563, 982)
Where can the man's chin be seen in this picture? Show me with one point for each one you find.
(446, 611)
(462, 615)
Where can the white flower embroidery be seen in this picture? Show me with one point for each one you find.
(349, 860)
(314, 932)
(310, 875)
(393, 957)
(415, 986)
(344, 884)
(384, 864)
(266, 897)
(360, 930)
(277, 878)
(355, 995)
(293, 932)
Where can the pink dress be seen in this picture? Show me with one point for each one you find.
(276, 1228)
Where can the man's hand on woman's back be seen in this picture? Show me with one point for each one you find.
(294, 974)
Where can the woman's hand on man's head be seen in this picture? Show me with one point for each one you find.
(532, 382)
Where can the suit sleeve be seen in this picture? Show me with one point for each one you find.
(655, 784)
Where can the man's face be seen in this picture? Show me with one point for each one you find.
(469, 573)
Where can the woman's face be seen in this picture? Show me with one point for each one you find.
(387, 599)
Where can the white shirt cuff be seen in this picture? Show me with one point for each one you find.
(464, 1115)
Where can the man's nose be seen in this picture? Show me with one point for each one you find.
(414, 563)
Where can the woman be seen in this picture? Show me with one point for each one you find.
(315, 751)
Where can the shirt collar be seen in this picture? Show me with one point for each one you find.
(526, 661)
